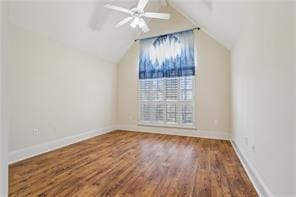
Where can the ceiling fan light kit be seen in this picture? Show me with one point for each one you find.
(137, 15)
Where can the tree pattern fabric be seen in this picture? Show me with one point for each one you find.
(166, 56)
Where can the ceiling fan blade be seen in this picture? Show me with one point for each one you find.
(135, 22)
(157, 15)
(143, 25)
(120, 9)
(142, 4)
(124, 21)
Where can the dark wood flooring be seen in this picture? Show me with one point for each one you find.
(125, 163)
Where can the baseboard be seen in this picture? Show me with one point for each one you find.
(32, 151)
(28, 152)
(252, 173)
(254, 176)
(177, 131)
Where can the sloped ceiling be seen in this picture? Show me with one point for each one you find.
(89, 27)
(221, 19)
(85, 25)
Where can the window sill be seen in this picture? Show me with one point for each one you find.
(168, 126)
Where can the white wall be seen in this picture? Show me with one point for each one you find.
(262, 94)
(3, 125)
(56, 89)
(212, 84)
(294, 33)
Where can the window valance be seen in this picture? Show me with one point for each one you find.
(170, 55)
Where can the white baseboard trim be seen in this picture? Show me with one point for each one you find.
(254, 176)
(260, 186)
(32, 151)
(177, 131)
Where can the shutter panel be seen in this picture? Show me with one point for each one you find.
(157, 113)
(145, 112)
(186, 100)
(145, 87)
(167, 101)
(186, 113)
(172, 86)
(186, 86)
(171, 113)
(157, 89)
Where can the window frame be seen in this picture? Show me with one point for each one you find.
(178, 103)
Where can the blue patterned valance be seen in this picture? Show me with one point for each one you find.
(170, 55)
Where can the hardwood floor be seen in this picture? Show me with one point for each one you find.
(134, 164)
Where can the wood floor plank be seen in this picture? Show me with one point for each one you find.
(125, 163)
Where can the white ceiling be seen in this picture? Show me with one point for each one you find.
(222, 19)
(85, 25)
(88, 26)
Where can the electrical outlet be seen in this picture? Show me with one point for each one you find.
(35, 131)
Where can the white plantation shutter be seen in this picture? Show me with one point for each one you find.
(145, 112)
(167, 101)
(186, 88)
(157, 112)
(157, 87)
(186, 113)
(171, 113)
(172, 86)
(145, 88)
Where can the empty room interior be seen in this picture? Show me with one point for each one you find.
(148, 98)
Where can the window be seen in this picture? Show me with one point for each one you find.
(167, 80)
(167, 101)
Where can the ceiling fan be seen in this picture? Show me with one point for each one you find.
(137, 14)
